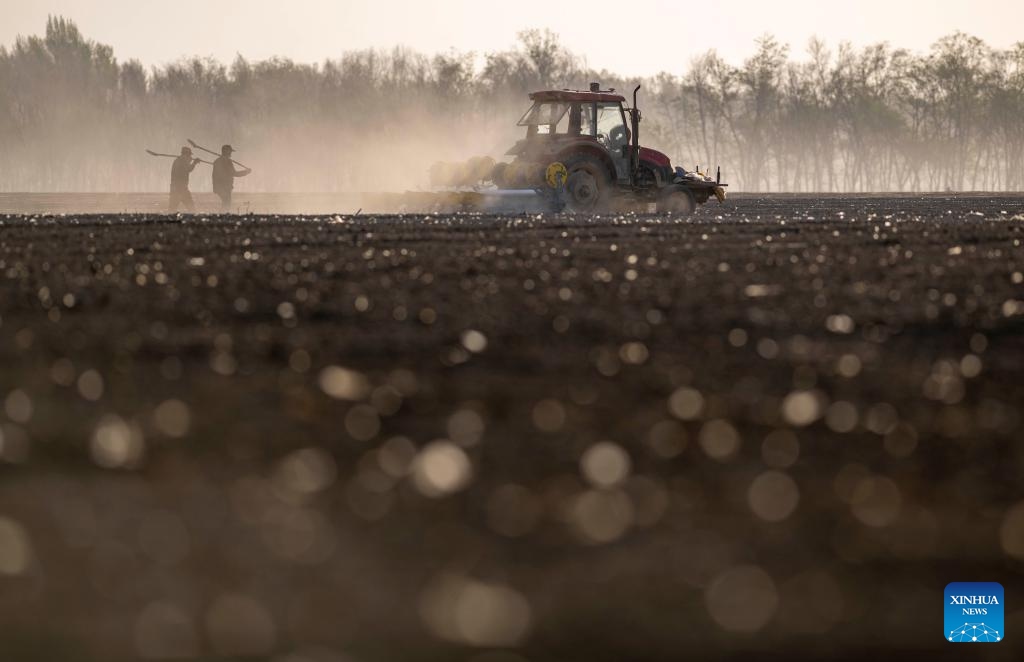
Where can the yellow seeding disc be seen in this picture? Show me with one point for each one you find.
(481, 167)
(556, 174)
(462, 174)
(515, 175)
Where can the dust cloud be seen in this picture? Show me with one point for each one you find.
(73, 118)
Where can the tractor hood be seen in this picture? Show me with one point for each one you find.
(655, 157)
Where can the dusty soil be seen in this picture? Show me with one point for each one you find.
(782, 426)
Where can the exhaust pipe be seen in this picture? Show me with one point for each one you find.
(634, 156)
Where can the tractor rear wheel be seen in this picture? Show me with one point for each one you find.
(586, 185)
(676, 200)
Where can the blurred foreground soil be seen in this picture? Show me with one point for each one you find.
(774, 431)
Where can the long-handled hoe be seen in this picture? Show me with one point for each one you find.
(174, 156)
(210, 151)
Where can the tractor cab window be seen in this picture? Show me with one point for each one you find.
(581, 119)
(611, 126)
(546, 117)
(559, 117)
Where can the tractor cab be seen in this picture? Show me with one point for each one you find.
(564, 120)
(583, 148)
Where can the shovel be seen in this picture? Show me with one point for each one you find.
(210, 151)
(174, 156)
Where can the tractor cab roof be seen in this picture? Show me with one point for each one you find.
(569, 96)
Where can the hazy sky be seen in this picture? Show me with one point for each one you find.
(663, 35)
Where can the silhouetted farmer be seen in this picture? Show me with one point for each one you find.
(224, 174)
(180, 170)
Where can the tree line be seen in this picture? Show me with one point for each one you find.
(74, 118)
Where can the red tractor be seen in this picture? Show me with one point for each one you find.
(596, 137)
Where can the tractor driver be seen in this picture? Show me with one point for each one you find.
(611, 127)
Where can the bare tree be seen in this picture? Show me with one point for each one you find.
(878, 118)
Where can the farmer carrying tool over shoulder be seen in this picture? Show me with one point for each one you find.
(180, 170)
(224, 174)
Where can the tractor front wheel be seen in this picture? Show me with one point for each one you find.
(676, 200)
(586, 185)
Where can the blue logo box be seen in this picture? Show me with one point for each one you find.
(974, 613)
